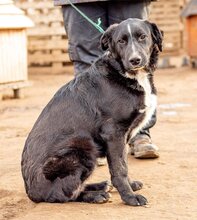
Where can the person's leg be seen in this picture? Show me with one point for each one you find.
(84, 46)
(141, 145)
(120, 11)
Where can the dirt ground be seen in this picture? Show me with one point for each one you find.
(170, 182)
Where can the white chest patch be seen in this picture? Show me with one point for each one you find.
(150, 101)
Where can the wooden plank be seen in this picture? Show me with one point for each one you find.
(48, 44)
(56, 65)
(15, 85)
(48, 19)
(41, 58)
(48, 70)
(35, 4)
(46, 31)
(174, 28)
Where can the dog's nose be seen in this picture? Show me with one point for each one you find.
(135, 61)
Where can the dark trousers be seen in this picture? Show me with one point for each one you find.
(84, 39)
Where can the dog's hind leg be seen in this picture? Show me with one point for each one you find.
(96, 192)
(94, 197)
(65, 190)
(105, 186)
(46, 187)
(61, 177)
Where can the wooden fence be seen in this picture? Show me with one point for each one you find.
(48, 45)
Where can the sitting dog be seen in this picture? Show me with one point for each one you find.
(94, 115)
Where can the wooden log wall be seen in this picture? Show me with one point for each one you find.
(47, 42)
(166, 14)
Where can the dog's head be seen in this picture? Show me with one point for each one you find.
(135, 43)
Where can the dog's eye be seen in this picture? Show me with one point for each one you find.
(142, 37)
(121, 41)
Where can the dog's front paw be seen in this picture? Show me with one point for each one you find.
(136, 185)
(136, 200)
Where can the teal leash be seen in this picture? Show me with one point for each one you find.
(96, 25)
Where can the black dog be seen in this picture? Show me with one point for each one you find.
(94, 115)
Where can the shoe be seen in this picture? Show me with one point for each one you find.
(101, 161)
(143, 148)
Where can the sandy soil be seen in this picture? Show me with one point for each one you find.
(169, 182)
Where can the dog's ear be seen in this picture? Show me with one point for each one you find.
(107, 36)
(157, 36)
